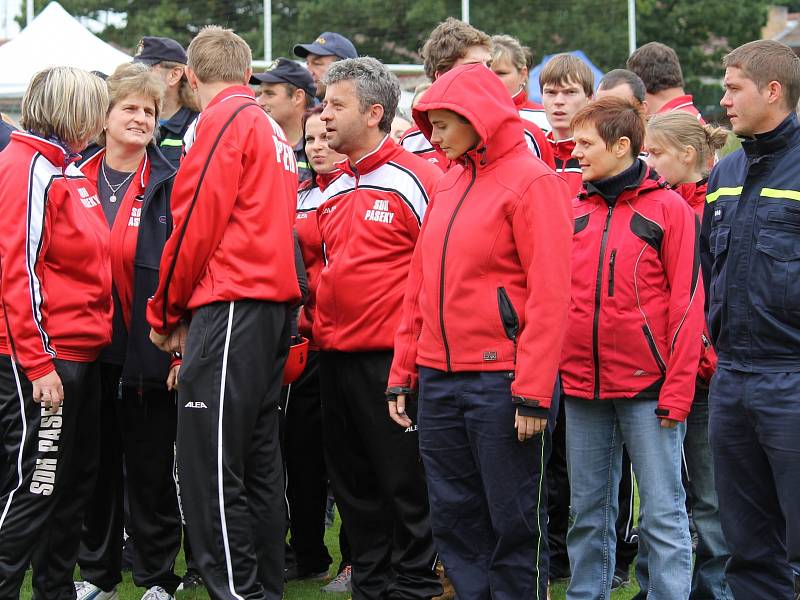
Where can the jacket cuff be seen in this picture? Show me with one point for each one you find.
(670, 412)
(393, 392)
(40, 370)
(532, 411)
(531, 402)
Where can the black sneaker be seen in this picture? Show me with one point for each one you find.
(295, 572)
(191, 581)
(620, 579)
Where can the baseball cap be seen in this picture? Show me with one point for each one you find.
(328, 44)
(284, 70)
(153, 50)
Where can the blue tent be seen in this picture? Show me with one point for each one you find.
(535, 94)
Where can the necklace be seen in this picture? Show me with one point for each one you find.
(113, 189)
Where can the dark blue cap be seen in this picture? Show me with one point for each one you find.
(328, 44)
(284, 70)
(153, 50)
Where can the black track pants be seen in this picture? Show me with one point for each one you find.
(229, 459)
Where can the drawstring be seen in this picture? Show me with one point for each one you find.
(482, 153)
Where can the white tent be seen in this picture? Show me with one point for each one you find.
(53, 38)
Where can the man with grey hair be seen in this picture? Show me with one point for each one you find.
(369, 224)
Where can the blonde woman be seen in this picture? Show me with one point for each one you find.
(55, 297)
(138, 415)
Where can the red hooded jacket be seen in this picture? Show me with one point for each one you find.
(530, 110)
(55, 284)
(233, 206)
(636, 313)
(307, 229)
(489, 285)
(369, 224)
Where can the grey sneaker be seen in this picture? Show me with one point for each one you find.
(340, 583)
(89, 591)
(157, 593)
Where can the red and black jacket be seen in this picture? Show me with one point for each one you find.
(369, 225)
(232, 240)
(489, 285)
(55, 269)
(309, 197)
(636, 313)
(567, 165)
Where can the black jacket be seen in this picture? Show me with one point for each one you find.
(144, 365)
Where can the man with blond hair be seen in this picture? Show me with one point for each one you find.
(228, 270)
(754, 401)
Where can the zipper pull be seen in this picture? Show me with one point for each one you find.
(706, 341)
(611, 272)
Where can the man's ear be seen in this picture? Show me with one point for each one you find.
(247, 75)
(774, 92)
(375, 115)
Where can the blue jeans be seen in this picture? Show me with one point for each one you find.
(595, 433)
(486, 489)
(754, 425)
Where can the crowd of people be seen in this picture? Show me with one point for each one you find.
(229, 297)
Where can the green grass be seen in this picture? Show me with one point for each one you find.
(305, 590)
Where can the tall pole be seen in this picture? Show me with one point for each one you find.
(30, 12)
(631, 26)
(465, 11)
(268, 31)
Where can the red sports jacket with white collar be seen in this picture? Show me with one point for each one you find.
(55, 284)
(369, 224)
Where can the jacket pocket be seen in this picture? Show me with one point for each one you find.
(775, 272)
(718, 241)
(611, 263)
(508, 315)
(651, 343)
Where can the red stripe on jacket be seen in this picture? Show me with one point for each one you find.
(497, 239)
(233, 206)
(55, 283)
(369, 225)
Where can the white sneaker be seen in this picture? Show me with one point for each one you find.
(89, 591)
(157, 593)
(341, 583)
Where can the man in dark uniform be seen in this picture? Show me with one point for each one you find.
(285, 91)
(322, 53)
(168, 58)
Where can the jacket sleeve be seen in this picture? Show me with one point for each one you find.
(681, 259)
(542, 226)
(24, 243)
(203, 198)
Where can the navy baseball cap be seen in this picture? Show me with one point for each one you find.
(284, 70)
(153, 50)
(328, 44)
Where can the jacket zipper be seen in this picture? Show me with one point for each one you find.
(654, 349)
(444, 255)
(597, 298)
(611, 272)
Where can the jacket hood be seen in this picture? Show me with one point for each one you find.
(693, 193)
(478, 95)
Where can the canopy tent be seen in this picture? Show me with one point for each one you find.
(535, 93)
(53, 38)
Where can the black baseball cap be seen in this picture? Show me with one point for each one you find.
(285, 70)
(328, 44)
(153, 50)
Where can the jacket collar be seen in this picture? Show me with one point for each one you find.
(561, 148)
(772, 142)
(679, 103)
(178, 122)
(634, 181)
(693, 193)
(325, 179)
(54, 151)
(234, 91)
(383, 153)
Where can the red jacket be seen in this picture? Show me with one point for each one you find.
(566, 165)
(695, 196)
(55, 284)
(489, 286)
(233, 206)
(307, 229)
(415, 142)
(530, 110)
(684, 103)
(369, 225)
(636, 314)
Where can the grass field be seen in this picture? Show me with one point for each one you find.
(300, 590)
